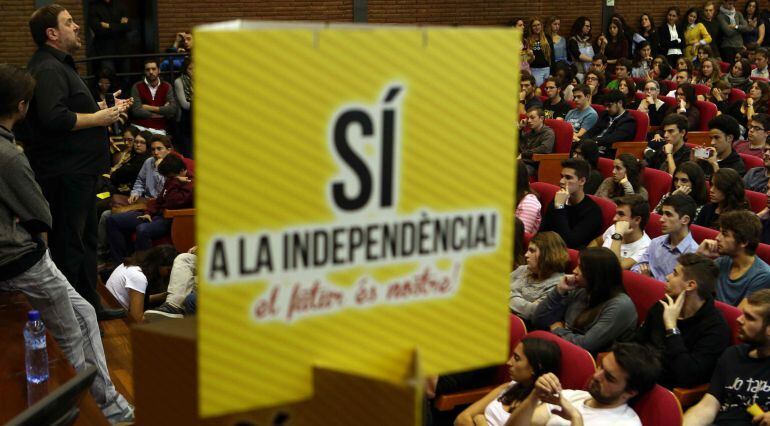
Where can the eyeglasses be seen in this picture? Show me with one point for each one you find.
(590, 77)
(550, 87)
(650, 89)
(756, 129)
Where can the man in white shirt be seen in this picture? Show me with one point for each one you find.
(626, 237)
(627, 371)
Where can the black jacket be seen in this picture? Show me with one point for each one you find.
(622, 129)
(664, 38)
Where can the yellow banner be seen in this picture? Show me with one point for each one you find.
(355, 203)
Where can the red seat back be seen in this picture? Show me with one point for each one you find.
(653, 228)
(724, 66)
(707, 112)
(757, 200)
(700, 233)
(643, 291)
(642, 125)
(736, 95)
(668, 85)
(702, 89)
(599, 108)
(608, 210)
(763, 251)
(563, 132)
(671, 102)
(577, 365)
(527, 238)
(751, 161)
(573, 259)
(657, 184)
(516, 331)
(731, 314)
(658, 407)
(640, 95)
(546, 191)
(605, 166)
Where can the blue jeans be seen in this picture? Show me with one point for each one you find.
(121, 226)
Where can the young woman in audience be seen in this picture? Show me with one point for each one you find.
(626, 179)
(557, 42)
(646, 33)
(684, 64)
(590, 308)
(756, 101)
(642, 66)
(695, 34)
(526, 53)
(726, 194)
(709, 73)
(123, 174)
(531, 358)
(540, 65)
(628, 88)
(660, 69)
(614, 45)
(689, 180)
(595, 80)
(686, 99)
(527, 204)
(588, 150)
(547, 260)
(141, 280)
(702, 52)
(579, 46)
(755, 22)
(652, 105)
(738, 77)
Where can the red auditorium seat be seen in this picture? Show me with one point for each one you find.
(731, 314)
(546, 191)
(700, 233)
(658, 407)
(751, 161)
(757, 200)
(577, 364)
(702, 90)
(653, 228)
(707, 112)
(599, 108)
(644, 291)
(563, 133)
(657, 183)
(642, 125)
(605, 166)
(574, 256)
(736, 95)
(667, 86)
(608, 210)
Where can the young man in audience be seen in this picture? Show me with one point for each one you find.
(538, 139)
(622, 72)
(759, 125)
(627, 371)
(760, 60)
(681, 77)
(614, 125)
(756, 178)
(25, 263)
(598, 63)
(742, 373)
(686, 329)
(527, 98)
(555, 106)
(660, 258)
(572, 214)
(154, 101)
(583, 117)
(741, 271)
(674, 152)
(724, 130)
(626, 237)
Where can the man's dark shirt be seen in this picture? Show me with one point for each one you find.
(557, 110)
(534, 101)
(108, 41)
(576, 224)
(658, 158)
(53, 148)
(732, 161)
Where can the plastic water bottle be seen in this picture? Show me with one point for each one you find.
(36, 357)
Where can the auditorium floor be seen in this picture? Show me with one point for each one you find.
(117, 348)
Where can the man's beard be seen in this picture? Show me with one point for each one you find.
(595, 391)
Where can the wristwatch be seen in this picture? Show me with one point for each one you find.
(617, 237)
(673, 332)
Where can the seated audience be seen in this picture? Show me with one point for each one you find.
(141, 280)
(741, 271)
(626, 179)
(688, 180)
(547, 260)
(628, 371)
(587, 150)
(759, 125)
(652, 105)
(531, 359)
(555, 106)
(614, 125)
(595, 81)
(686, 329)
(726, 194)
(642, 66)
(154, 103)
(527, 98)
(680, 77)
(572, 214)
(583, 117)
(181, 283)
(590, 308)
(760, 59)
(686, 100)
(757, 99)
(660, 258)
(742, 373)
(535, 138)
(527, 204)
(674, 152)
(626, 237)
(622, 72)
(709, 73)
(723, 131)
(627, 87)
(738, 77)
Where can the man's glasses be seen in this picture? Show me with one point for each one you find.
(756, 128)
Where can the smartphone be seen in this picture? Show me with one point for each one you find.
(109, 99)
(702, 153)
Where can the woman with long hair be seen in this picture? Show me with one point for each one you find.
(695, 34)
(689, 180)
(709, 73)
(755, 22)
(614, 45)
(531, 358)
(183, 90)
(527, 204)
(642, 65)
(685, 100)
(546, 261)
(645, 32)
(626, 179)
(526, 53)
(588, 150)
(142, 279)
(589, 308)
(555, 40)
(579, 46)
(540, 65)
(726, 194)
(756, 102)
(627, 87)
(739, 75)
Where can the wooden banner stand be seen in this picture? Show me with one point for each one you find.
(166, 388)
